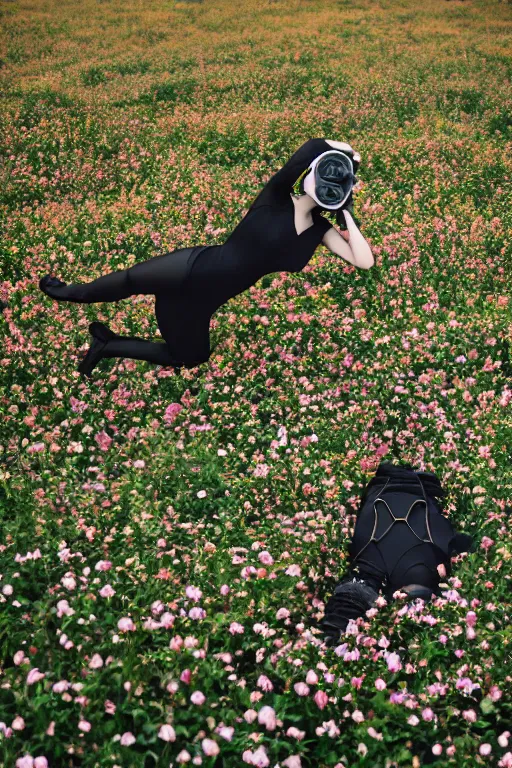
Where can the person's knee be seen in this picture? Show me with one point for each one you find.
(191, 361)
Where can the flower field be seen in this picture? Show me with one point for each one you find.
(168, 542)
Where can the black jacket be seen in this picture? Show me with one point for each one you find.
(401, 533)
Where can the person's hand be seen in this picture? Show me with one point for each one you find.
(344, 147)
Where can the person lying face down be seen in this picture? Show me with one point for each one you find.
(401, 538)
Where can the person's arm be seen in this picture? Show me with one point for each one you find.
(284, 179)
(356, 251)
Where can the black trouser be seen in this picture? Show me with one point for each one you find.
(183, 317)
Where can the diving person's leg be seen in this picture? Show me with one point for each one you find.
(159, 274)
(185, 325)
(111, 287)
(106, 344)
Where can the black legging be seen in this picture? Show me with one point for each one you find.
(183, 318)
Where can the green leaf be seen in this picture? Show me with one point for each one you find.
(487, 706)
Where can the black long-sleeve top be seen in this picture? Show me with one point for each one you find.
(266, 240)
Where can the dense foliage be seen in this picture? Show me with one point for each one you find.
(168, 542)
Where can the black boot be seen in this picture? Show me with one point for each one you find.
(352, 598)
(101, 335)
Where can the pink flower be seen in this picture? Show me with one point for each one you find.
(25, 762)
(292, 762)
(198, 698)
(18, 724)
(374, 734)
(301, 689)
(235, 628)
(103, 440)
(167, 733)
(196, 613)
(471, 618)
(469, 715)
(60, 687)
(171, 412)
(437, 749)
(167, 620)
(210, 747)
(486, 542)
(266, 558)
(127, 739)
(34, 676)
(36, 448)
(380, 684)
(485, 749)
(293, 570)
(185, 676)
(261, 470)
(64, 609)
(320, 698)
(465, 684)
(19, 658)
(84, 726)
(41, 762)
(311, 677)
(294, 733)
(126, 625)
(283, 613)
(258, 758)
(96, 662)
(393, 662)
(264, 683)
(267, 717)
(413, 720)
(184, 757)
(224, 590)
(194, 593)
(226, 732)
(250, 716)
(107, 591)
(176, 643)
(428, 714)
(494, 693)
(103, 565)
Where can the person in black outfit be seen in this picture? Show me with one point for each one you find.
(280, 232)
(401, 539)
